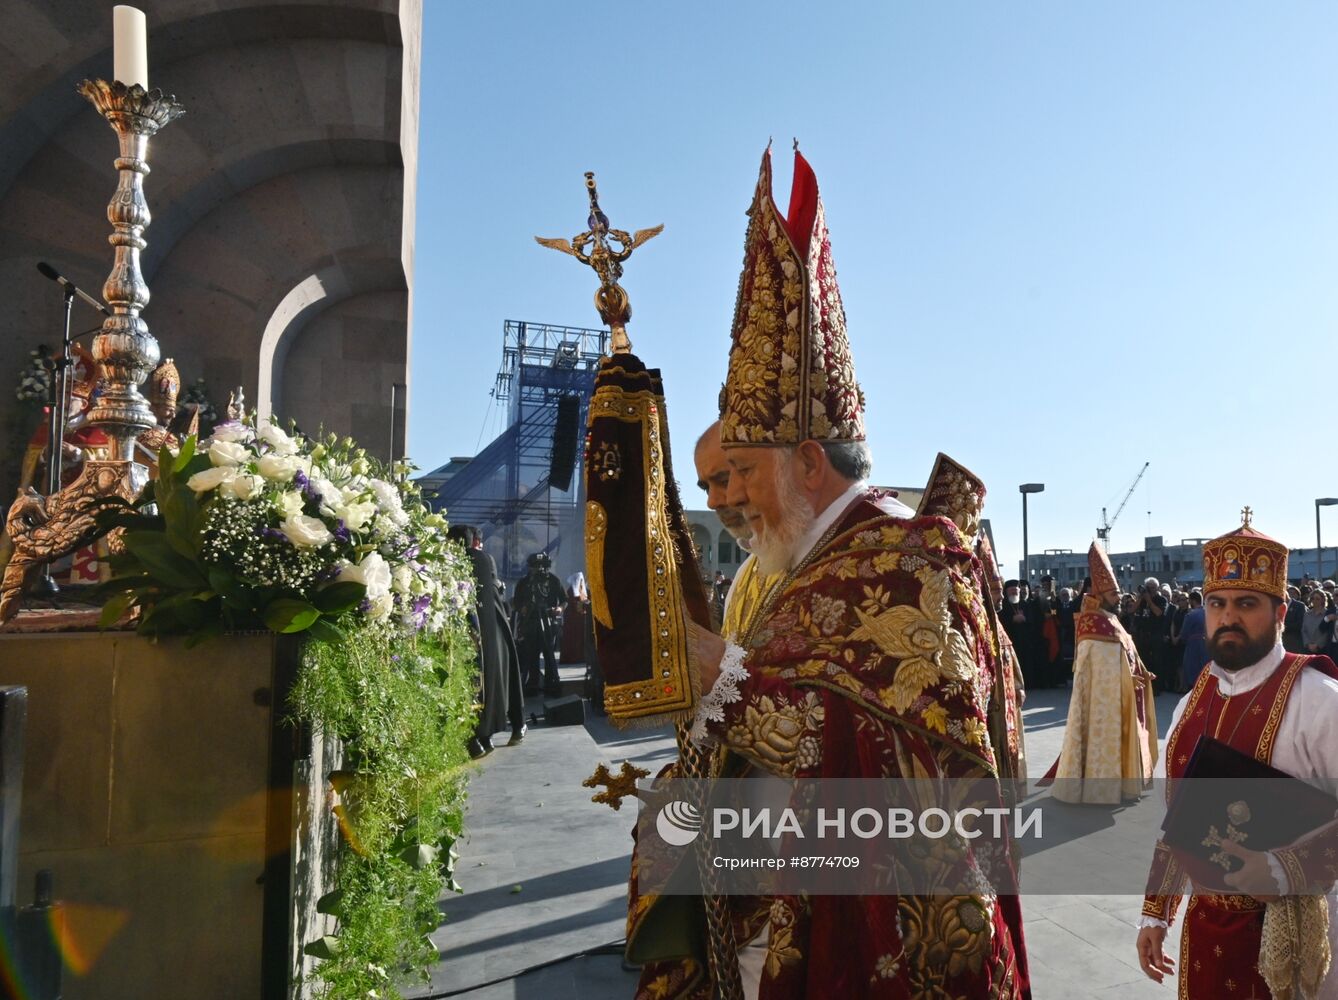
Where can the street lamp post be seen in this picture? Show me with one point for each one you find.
(1319, 548)
(1024, 489)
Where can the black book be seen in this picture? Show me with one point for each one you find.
(1226, 794)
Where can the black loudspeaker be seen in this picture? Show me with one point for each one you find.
(563, 462)
(568, 711)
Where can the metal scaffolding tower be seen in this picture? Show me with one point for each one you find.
(504, 490)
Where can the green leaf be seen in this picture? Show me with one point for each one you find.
(157, 556)
(340, 596)
(325, 630)
(325, 948)
(161, 620)
(224, 583)
(286, 614)
(329, 903)
(420, 855)
(184, 456)
(114, 609)
(209, 630)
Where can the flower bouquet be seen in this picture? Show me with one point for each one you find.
(263, 529)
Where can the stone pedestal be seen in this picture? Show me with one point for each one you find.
(159, 789)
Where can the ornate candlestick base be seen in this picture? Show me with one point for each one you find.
(45, 528)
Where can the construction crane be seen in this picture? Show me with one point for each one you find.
(1103, 532)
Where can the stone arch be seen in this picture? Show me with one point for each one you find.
(726, 549)
(701, 538)
(317, 292)
(316, 99)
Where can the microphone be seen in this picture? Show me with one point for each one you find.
(48, 271)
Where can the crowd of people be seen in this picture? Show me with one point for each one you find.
(1166, 622)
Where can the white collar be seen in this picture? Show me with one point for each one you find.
(1232, 682)
(825, 520)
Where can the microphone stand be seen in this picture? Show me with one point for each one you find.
(45, 586)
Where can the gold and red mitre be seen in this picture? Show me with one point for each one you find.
(1100, 570)
(954, 492)
(1245, 559)
(791, 377)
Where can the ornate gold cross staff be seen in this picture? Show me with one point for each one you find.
(611, 299)
(616, 786)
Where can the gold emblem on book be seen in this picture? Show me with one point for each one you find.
(1238, 813)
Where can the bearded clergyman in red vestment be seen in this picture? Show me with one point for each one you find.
(1272, 937)
(872, 654)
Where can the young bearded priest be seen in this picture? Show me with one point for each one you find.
(1272, 938)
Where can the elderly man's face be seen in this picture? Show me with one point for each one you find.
(762, 484)
(713, 477)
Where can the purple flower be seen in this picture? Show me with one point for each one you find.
(365, 606)
(327, 574)
(342, 533)
(419, 610)
(304, 484)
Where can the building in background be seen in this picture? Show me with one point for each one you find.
(1170, 563)
(280, 256)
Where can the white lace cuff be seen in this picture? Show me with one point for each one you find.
(1279, 875)
(724, 691)
(1152, 922)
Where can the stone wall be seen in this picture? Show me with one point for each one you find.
(286, 192)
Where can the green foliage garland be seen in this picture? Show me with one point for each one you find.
(404, 709)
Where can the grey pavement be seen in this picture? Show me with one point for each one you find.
(544, 875)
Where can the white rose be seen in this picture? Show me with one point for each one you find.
(380, 606)
(403, 579)
(305, 532)
(243, 486)
(330, 494)
(203, 482)
(232, 431)
(290, 503)
(281, 468)
(373, 573)
(278, 440)
(228, 453)
(355, 515)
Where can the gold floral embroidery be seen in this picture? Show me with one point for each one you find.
(922, 638)
(596, 528)
(781, 950)
(945, 935)
(936, 717)
(780, 737)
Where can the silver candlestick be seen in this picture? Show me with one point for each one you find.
(124, 349)
(45, 528)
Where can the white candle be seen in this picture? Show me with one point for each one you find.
(130, 46)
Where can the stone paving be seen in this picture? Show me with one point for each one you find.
(544, 872)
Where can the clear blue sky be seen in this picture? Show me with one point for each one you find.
(1071, 238)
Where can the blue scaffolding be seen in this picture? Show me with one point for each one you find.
(504, 490)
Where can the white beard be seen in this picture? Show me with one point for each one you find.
(775, 548)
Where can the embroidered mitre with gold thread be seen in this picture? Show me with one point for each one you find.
(640, 562)
(791, 377)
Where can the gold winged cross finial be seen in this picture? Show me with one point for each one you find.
(617, 787)
(1245, 515)
(593, 249)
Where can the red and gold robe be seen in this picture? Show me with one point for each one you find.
(1110, 739)
(874, 658)
(1219, 945)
